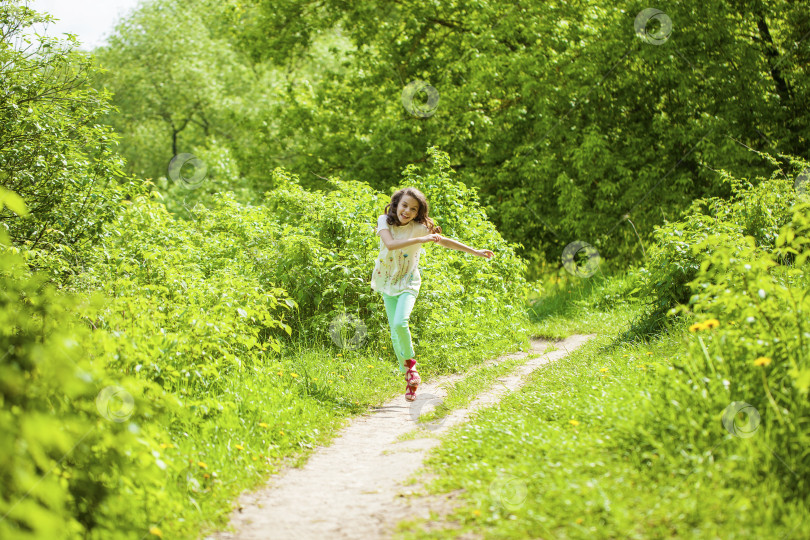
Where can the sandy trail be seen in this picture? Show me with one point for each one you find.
(355, 488)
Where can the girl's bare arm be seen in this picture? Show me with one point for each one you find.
(458, 246)
(392, 244)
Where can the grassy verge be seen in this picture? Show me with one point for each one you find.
(576, 306)
(589, 449)
(462, 392)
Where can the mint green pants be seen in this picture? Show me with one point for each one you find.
(399, 309)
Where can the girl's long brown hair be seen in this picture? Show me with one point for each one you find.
(421, 214)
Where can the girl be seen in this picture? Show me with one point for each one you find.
(404, 226)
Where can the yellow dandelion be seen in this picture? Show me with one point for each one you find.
(339, 354)
(370, 365)
(329, 381)
(206, 476)
(164, 445)
(281, 432)
(315, 379)
(255, 458)
(604, 369)
(240, 447)
(762, 361)
(477, 512)
(649, 353)
(712, 323)
(697, 327)
(573, 422)
(294, 375)
(280, 374)
(341, 376)
(201, 464)
(263, 424)
(579, 521)
(154, 530)
(625, 355)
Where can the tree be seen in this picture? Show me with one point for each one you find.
(54, 155)
(174, 84)
(575, 121)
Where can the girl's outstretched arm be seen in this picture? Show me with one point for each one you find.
(458, 246)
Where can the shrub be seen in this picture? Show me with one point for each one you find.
(328, 244)
(54, 153)
(75, 460)
(762, 345)
(756, 210)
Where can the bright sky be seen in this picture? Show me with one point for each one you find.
(91, 20)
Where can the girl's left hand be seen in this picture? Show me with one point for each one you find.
(484, 253)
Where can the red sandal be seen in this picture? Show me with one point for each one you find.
(412, 378)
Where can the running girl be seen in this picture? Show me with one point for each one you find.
(404, 226)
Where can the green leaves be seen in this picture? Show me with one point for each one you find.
(54, 153)
(13, 201)
(756, 218)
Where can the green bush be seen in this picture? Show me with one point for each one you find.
(187, 298)
(762, 345)
(751, 347)
(327, 250)
(54, 153)
(76, 457)
(754, 210)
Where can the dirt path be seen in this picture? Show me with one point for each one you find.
(355, 488)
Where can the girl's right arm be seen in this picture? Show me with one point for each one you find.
(390, 243)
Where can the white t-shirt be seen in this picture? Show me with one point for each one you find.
(397, 271)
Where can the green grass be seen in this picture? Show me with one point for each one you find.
(588, 449)
(476, 380)
(303, 399)
(570, 305)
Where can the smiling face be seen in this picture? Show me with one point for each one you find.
(407, 209)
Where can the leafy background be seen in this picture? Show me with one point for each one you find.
(165, 346)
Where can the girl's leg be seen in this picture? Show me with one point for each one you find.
(400, 328)
(391, 310)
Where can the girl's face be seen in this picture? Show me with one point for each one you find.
(407, 209)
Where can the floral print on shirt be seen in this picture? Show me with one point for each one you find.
(397, 271)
